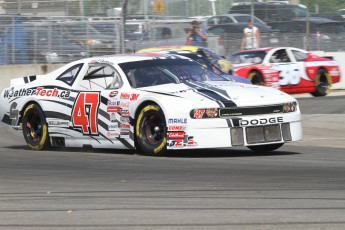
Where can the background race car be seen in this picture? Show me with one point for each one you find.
(206, 62)
(290, 69)
(222, 63)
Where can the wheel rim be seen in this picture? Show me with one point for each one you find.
(323, 83)
(255, 78)
(153, 129)
(34, 127)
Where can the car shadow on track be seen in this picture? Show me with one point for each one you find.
(220, 153)
(191, 153)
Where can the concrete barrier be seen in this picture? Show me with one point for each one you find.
(8, 72)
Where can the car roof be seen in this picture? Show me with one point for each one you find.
(316, 20)
(158, 48)
(239, 27)
(234, 15)
(171, 52)
(267, 49)
(123, 58)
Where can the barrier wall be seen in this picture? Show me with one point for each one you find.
(8, 72)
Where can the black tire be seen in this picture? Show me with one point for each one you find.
(323, 83)
(35, 128)
(265, 148)
(151, 131)
(256, 78)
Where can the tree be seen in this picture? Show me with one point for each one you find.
(325, 5)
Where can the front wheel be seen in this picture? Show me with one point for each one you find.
(265, 148)
(35, 128)
(151, 130)
(323, 84)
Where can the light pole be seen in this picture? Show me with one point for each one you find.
(187, 10)
(81, 5)
(213, 7)
(308, 27)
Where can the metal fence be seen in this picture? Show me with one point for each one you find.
(46, 31)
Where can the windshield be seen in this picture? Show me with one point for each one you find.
(248, 57)
(166, 71)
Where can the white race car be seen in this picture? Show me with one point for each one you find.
(153, 102)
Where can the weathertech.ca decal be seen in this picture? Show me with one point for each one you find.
(39, 91)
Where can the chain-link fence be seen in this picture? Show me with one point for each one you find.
(56, 31)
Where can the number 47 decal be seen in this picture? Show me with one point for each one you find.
(85, 111)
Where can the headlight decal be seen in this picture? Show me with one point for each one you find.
(227, 112)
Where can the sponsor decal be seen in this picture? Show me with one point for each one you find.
(113, 117)
(125, 126)
(334, 72)
(52, 93)
(113, 109)
(114, 103)
(125, 113)
(113, 93)
(124, 105)
(212, 112)
(190, 141)
(59, 123)
(175, 143)
(39, 91)
(199, 113)
(19, 93)
(179, 143)
(111, 134)
(176, 128)
(101, 61)
(124, 134)
(124, 119)
(125, 96)
(134, 97)
(262, 121)
(176, 135)
(204, 113)
(113, 127)
(177, 121)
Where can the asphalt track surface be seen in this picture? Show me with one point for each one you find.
(301, 186)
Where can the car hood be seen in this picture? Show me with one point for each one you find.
(224, 93)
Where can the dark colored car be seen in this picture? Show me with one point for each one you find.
(232, 18)
(325, 34)
(270, 12)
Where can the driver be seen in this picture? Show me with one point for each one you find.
(145, 77)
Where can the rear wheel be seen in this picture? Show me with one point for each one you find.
(265, 148)
(35, 128)
(256, 78)
(151, 130)
(323, 83)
